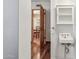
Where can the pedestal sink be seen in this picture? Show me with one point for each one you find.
(66, 38)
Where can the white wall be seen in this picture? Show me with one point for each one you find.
(65, 2)
(54, 39)
(10, 29)
(46, 6)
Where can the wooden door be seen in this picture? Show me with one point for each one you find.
(41, 27)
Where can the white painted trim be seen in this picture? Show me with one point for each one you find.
(24, 29)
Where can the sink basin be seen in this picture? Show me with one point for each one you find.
(65, 38)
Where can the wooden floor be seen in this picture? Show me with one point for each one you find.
(45, 52)
(47, 55)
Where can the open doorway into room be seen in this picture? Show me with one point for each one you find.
(40, 43)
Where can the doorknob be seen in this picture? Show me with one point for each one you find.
(53, 28)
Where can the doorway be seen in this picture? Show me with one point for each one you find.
(40, 42)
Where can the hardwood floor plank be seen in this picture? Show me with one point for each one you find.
(47, 55)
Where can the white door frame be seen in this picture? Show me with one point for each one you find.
(24, 29)
(52, 29)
